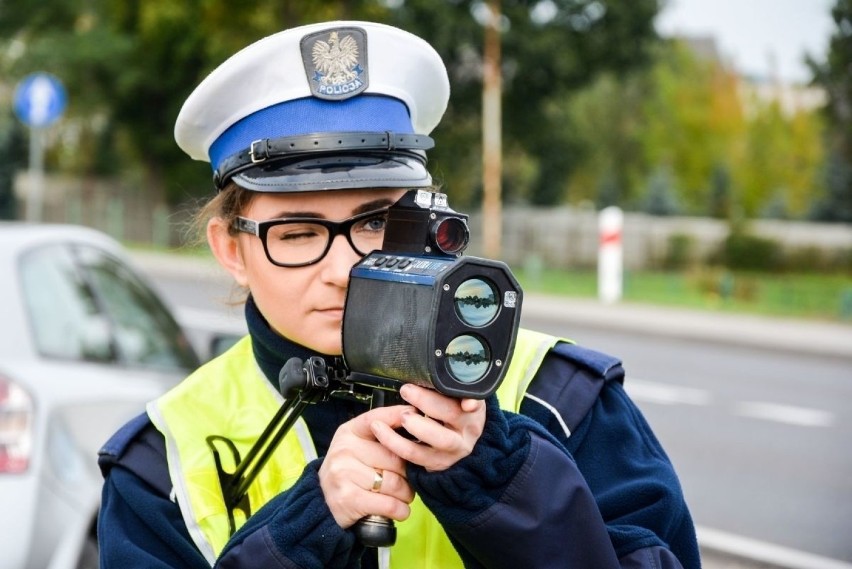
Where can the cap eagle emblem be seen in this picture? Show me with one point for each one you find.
(338, 68)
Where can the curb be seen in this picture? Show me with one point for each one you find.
(728, 550)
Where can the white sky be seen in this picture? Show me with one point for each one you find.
(749, 33)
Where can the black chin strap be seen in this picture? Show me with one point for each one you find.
(309, 145)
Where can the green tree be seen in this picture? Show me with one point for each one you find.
(609, 191)
(660, 196)
(780, 161)
(728, 145)
(606, 118)
(692, 121)
(720, 192)
(836, 202)
(682, 115)
(12, 158)
(833, 75)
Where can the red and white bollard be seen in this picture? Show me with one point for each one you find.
(610, 257)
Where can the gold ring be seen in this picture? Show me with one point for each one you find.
(377, 481)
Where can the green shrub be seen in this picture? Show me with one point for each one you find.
(807, 259)
(679, 251)
(744, 251)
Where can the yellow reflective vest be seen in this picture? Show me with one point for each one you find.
(193, 411)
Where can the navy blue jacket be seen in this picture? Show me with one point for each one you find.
(577, 480)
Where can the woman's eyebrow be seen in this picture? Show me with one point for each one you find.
(363, 208)
(373, 205)
(288, 214)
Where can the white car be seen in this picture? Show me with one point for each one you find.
(84, 343)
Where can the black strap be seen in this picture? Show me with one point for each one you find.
(267, 149)
(147, 460)
(140, 448)
(569, 382)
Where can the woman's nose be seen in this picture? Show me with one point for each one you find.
(339, 260)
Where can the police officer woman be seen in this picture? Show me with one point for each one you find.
(312, 133)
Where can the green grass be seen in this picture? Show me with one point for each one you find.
(825, 297)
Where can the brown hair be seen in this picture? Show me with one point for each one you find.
(227, 204)
(230, 202)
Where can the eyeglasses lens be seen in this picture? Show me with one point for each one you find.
(302, 242)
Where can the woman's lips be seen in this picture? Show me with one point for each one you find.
(332, 312)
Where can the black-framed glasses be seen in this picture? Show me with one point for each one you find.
(301, 241)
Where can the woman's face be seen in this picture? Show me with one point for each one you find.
(304, 304)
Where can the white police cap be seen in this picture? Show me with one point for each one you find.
(335, 105)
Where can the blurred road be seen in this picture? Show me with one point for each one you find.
(755, 413)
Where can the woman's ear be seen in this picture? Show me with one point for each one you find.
(226, 249)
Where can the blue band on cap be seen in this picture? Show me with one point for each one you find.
(374, 113)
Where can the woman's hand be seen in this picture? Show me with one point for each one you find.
(446, 431)
(359, 476)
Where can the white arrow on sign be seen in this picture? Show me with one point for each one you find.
(39, 99)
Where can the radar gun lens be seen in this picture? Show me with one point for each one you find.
(468, 358)
(476, 302)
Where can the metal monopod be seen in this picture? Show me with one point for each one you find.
(301, 384)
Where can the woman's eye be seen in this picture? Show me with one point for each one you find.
(295, 236)
(377, 223)
(297, 233)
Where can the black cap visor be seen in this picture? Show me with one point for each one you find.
(337, 172)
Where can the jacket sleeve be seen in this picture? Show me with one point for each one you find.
(502, 506)
(140, 526)
(535, 494)
(293, 530)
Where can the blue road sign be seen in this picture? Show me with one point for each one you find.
(40, 99)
